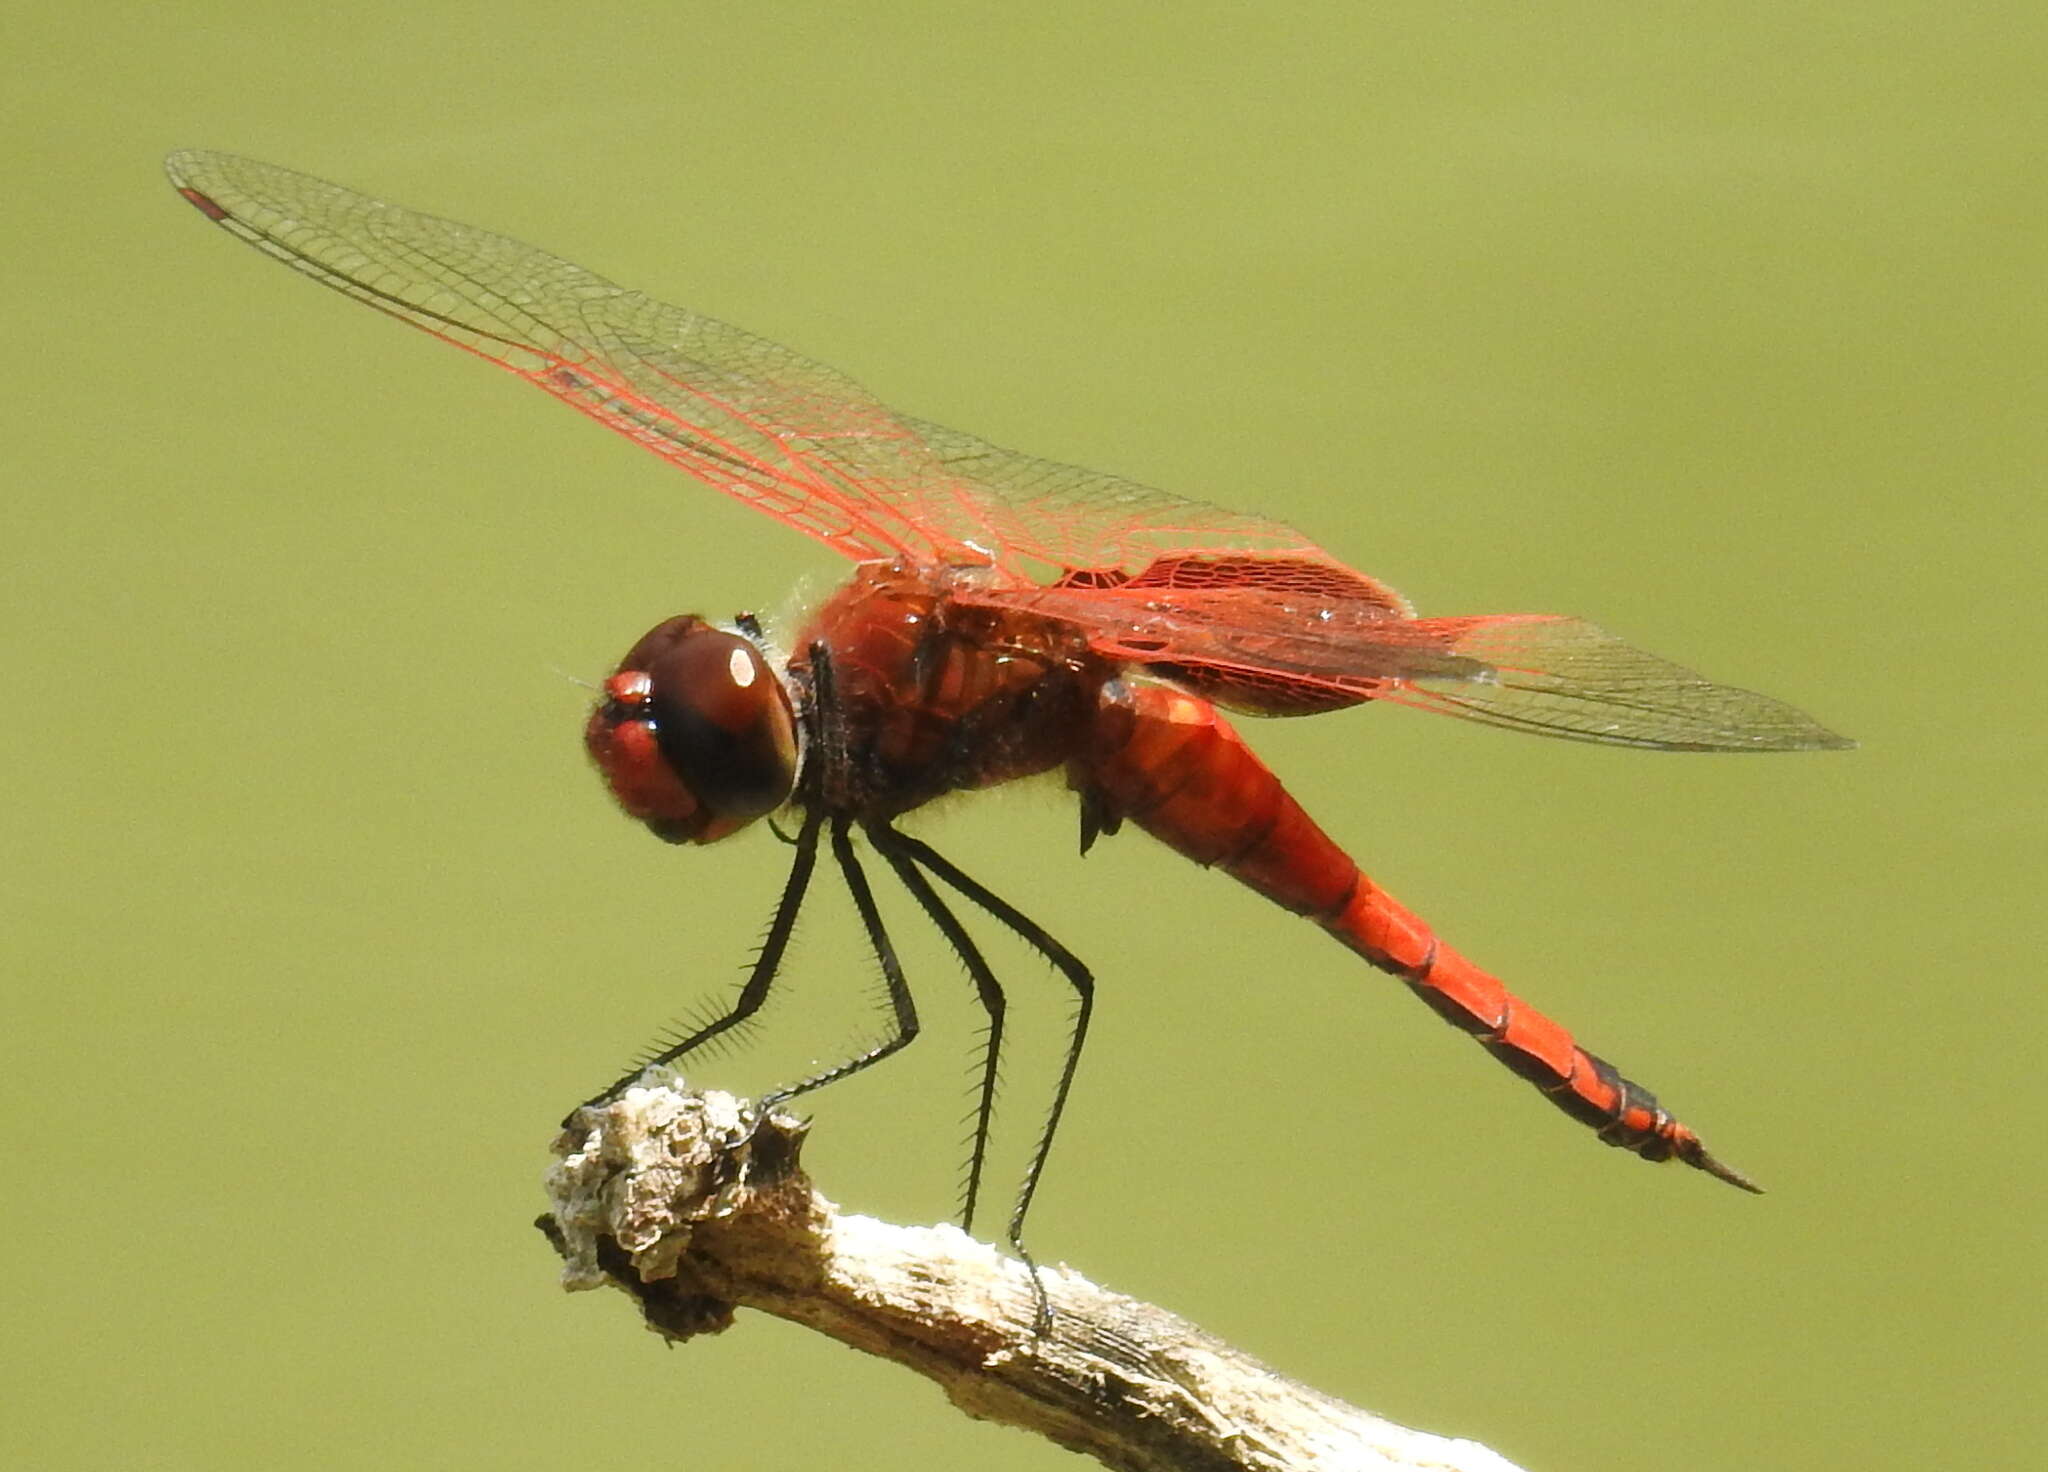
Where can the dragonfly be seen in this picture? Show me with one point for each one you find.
(1006, 617)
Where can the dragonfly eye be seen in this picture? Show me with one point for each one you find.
(694, 733)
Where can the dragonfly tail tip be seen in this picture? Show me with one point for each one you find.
(1726, 1173)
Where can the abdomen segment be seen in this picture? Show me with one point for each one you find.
(1168, 761)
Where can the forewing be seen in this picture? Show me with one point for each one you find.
(762, 423)
(793, 437)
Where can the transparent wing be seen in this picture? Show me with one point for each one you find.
(757, 421)
(1051, 521)
(1565, 677)
(788, 435)
(1270, 639)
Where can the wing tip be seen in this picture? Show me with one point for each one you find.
(183, 165)
(1808, 736)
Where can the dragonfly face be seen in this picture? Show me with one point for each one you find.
(694, 734)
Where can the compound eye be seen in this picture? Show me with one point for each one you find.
(695, 734)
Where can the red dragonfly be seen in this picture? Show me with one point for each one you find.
(1007, 616)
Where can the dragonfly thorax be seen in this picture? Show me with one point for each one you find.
(694, 732)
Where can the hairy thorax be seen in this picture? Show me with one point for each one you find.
(927, 691)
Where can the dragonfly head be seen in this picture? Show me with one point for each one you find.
(694, 732)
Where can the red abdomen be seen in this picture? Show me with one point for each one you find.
(1169, 762)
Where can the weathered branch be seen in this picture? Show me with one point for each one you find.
(676, 1198)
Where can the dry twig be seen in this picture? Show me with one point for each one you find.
(676, 1198)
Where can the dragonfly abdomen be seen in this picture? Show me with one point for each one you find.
(1168, 761)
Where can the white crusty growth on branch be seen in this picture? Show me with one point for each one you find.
(675, 1198)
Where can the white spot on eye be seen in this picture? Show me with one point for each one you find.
(740, 665)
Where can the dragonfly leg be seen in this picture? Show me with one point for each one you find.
(755, 990)
(1083, 982)
(987, 989)
(900, 1002)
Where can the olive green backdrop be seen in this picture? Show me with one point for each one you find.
(1719, 325)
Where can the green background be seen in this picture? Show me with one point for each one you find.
(1720, 325)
